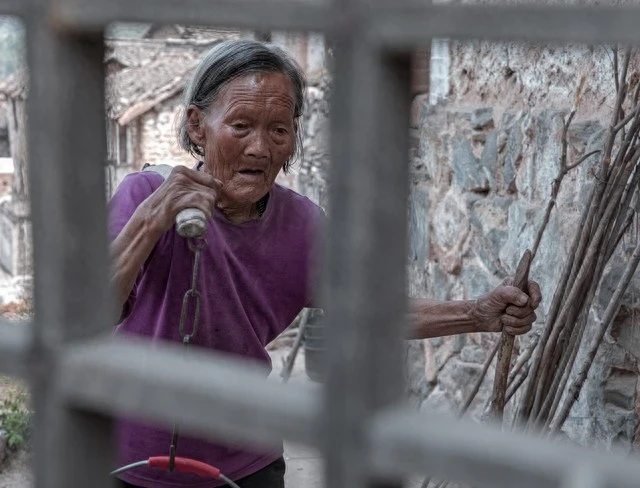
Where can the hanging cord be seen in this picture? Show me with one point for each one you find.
(191, 224)
(184, 465)
(172, 462)
(192, 294)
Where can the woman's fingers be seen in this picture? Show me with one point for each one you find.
(518, 323)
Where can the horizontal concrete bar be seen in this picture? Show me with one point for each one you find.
(15, 7)
(409, 25)
(252, 14)
(211, 395)
(405, 442)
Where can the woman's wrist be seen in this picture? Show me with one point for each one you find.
(472, 314)
(151, 218)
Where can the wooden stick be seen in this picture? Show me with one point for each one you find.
(622, 224)
(566, 374)
(576, 299)
(496, 407)
(523, 359)
(568, 302)
(516, 383)
(565, 364)
(478, 383)
(577, 249)
(291, 358)
(612, 193)
(607, 319)
(580, 286)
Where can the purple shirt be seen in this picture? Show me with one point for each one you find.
(254, 280)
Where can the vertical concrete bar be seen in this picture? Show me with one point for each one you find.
(365, 256)
(66, 150)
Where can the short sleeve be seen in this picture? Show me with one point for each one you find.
(133, 190)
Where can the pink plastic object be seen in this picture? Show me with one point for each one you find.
(185, 465)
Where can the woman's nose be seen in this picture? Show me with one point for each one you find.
(258, 146)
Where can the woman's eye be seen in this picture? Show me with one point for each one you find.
(240, 126)
(281, 131)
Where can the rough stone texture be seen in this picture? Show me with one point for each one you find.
(487, 195)
(528, 89)
(309, 175)
(158, 136)
(481, 177)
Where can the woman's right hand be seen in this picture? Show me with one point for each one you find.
(184, 188)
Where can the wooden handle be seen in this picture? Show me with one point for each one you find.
(496, 407)
(521, 279)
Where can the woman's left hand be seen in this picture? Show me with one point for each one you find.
(507, 308)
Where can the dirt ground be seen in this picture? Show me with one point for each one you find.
(17, 473)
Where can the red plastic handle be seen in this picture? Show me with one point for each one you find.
(185, 465)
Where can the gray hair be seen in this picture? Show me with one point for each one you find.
(232, 59)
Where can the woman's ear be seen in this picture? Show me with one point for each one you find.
(195, 125)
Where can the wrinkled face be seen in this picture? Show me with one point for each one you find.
(248, 134)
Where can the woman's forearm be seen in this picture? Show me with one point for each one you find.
(433, 318)
(129, 251)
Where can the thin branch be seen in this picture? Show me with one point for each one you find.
(583, 159)
(628, 118)
(567, 355)
(609, 314)
(574, 256)
(483, 374)
(564, 168)
(524, 358)
(566, 374)
(616, 69)
(517, 383)
(625, 66)
(584, 275)
(615, 117)
(291, 358)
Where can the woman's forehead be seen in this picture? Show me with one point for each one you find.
(275, 88)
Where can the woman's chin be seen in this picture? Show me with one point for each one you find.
(247, 196)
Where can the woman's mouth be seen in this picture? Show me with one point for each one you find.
(251, 172)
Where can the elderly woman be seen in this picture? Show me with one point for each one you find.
(241, 119)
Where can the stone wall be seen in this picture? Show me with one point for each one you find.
(479, 190)
(153, 141)
(482, 169)
(482, 175)
(158, 142)
(310, 171)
